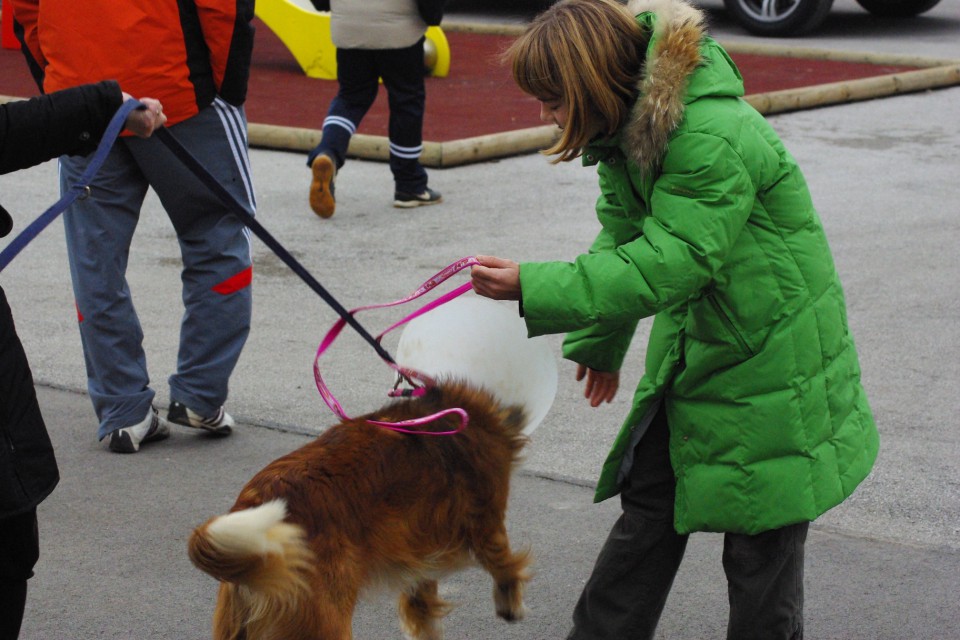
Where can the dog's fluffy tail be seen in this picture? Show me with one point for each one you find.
(255, 549)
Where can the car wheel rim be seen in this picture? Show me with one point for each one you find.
(769, 10)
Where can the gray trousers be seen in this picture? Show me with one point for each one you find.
(214, 248)
(626, 592)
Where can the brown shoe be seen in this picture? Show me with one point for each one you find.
(321, 188)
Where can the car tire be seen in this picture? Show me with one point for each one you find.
(897, 8)
(780, 17)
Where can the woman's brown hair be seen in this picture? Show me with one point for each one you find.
(587, 53)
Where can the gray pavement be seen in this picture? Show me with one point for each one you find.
(884, 565)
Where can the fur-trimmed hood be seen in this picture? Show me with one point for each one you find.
(676, 51)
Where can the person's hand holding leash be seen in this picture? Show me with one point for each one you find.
(143, 122)
(496, 278)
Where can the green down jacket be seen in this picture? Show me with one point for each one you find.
(707, 223)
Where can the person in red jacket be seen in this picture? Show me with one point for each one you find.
(31, 132)
(193, 56)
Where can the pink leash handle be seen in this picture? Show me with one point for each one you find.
(410, 375)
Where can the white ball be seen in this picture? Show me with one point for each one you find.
(485, 343)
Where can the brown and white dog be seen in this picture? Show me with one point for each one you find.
(363, 506)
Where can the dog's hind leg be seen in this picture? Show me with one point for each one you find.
(421, 611)
(229, 615)
(509, 572)
(330, 614)
(331, 624)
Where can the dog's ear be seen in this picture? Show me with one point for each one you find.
(513, 418)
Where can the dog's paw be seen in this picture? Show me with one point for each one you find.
(513, 615)
(508, 598)
(433, 632)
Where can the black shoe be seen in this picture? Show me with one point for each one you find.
(409, 200)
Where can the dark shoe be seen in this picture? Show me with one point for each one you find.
(150, 429)
(219, 424)
(409, 200)
(321, 187)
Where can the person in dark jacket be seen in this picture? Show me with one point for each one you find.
(33, 131)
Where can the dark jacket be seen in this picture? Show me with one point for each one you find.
(65, 122)
(32, 131)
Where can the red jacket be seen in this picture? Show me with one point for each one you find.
(182, 53)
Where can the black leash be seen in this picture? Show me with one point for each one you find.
(82, 189)
(237, 209)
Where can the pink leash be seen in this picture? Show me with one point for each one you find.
(420, 381)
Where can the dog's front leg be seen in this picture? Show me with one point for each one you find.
(509, 572)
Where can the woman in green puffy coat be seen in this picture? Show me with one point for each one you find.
(750, 418)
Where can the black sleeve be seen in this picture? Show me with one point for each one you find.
(431, 11)
(236, 75)
(64, 122)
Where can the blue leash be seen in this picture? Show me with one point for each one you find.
(82, 190)
(79, 190)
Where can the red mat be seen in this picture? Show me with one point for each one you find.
(478, 97)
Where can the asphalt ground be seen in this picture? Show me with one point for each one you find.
(885, 564)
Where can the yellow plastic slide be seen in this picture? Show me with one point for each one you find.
(306, 33)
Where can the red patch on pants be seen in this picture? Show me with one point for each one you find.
(235, 282)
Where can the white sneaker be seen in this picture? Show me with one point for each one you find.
(219, 424)
(150, 429)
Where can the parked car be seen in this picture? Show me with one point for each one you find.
(796, 17)
(760, 17)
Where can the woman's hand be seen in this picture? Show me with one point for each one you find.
(143, 122)
(601, 385)
(496, 278)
